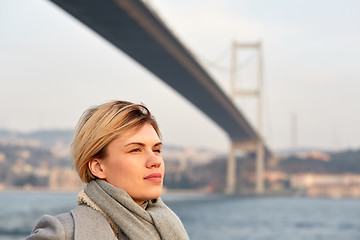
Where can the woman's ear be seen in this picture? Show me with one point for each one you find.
(95, 166)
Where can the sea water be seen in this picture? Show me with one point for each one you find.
(210, 216)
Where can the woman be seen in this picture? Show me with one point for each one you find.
(117, 151)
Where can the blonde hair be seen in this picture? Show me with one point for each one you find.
(100, 125)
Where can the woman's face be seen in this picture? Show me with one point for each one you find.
(134, 163)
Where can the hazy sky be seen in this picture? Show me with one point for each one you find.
(53, 68)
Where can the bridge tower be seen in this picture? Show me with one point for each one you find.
(256, 145)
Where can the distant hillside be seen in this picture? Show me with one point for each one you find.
(41, 159)
(298, 150)
(49, 138)
(46, 138)
(341, 162)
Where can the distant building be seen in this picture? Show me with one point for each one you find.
(314, 155)
(327, 185)
(2, 157)
(334, 191)
(64, 179)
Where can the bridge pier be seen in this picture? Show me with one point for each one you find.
(231, 173)
(231, 178)
(259, 168)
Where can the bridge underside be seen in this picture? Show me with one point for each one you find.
(135, 29)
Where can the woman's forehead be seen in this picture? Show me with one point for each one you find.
(145, 134)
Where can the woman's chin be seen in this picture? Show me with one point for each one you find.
(155, 194)
(148, 195)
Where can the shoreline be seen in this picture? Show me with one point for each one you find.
(193, 192)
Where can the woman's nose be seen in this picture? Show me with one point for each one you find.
(154, 160)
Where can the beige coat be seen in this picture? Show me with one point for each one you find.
(80, 223)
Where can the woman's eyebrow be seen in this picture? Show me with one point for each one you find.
(135, 143)
(143, 144)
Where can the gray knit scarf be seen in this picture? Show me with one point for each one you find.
(152, 220)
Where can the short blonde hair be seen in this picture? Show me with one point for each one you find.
(100, 125)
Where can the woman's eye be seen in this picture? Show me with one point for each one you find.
(157, 150)
(135, 150)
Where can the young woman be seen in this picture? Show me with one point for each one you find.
(117, 151)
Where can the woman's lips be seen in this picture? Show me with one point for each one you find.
(154, 177)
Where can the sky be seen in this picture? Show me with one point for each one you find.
(53, 68)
